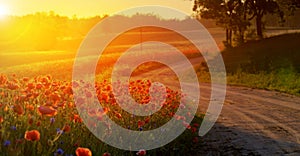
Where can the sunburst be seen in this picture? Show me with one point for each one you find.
(4, 11)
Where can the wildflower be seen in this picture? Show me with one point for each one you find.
(58, 131)
(6, 143)
(30, 120)
(106, 154)
(196, 124)
(61, 104)
(80, 151)
(54, 97)
(29, 107)
(141, 152)
(25, 79)
(67, 128)
(13, 128)
(52, 120)
(39, 85)
(32, 135)
(195, 140)
(38, 123)
(88, 94)
(18, 109)
(30, 86)
(105, 97)
(76, 145)
(48, 111)
(12, 86)
(68, 90)
(105, 110)
(59, 151)
(147, 120)
(19, 141)
(1, 119)
(75, 84)
(118, 115)
(141, 123)
(79, 101)
(186, 125)
(194, 130)
(76, 118)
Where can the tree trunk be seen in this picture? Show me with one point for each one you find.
(242, 38)
(259, 26)
(230, 37)
(227, 36)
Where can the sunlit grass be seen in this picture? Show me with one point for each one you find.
(283, 80)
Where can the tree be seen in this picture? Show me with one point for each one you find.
(235, 15)
(230, 14)
(259, 8)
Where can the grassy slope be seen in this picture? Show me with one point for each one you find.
(272, 63)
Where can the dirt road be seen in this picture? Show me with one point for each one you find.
(256, 122)
(252, 121)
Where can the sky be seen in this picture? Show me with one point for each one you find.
(88, 8)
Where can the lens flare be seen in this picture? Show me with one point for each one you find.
(4, 11)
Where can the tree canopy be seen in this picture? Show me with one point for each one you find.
(237, 15)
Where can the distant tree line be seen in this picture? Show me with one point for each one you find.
(44, 31)
(50, 31)
(236, 16)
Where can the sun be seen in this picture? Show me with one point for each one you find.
(4, 11)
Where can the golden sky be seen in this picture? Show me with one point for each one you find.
(87, 8)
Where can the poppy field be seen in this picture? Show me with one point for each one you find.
(38, 116)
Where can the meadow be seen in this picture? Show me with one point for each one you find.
(38, 115)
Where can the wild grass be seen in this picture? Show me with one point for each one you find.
(272, 63)
(283, 80)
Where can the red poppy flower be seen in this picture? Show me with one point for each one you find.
(76, 118)
(118, 115)
(80, 151)
(38, 123)
(88, 94)
(141, 152)
(18, 109)
(33, 135)
(147, 120)
(12, 85)
(105, 97)
(141, 123)
(66, 128)
(106, 154)
(30, 86)
(68, 90)
(195, 140)
(194, 129)
(29, 107)
(48, 111)
(54, 97)
(75, 84)
(30, 120)
(25, 79)
(39, 85)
